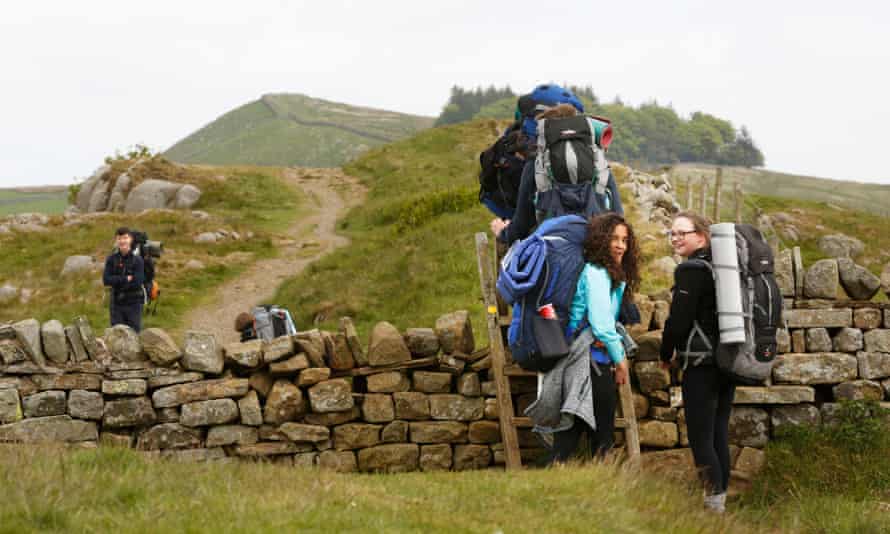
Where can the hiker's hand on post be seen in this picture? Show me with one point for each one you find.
(129, 278)
(498, 225)
(621, 373)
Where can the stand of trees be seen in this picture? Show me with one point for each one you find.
(649, 134)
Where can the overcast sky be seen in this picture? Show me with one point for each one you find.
(80, 79)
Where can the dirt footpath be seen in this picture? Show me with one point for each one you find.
(330, 194)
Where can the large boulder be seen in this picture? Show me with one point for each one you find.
(841, 246)
(124, 344)
(119, 193)
(78, 264)
(857, 281)
(387, 345)
(151, 194)
(186, 197)
(99, 196)
(822, 280)
(85, 193)
(55, 344)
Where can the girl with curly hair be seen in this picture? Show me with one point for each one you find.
(610, 277)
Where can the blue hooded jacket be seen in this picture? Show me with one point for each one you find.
(558, 244)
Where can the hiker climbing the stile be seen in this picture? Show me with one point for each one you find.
(125, 274)
(566, 407)
(568, 173)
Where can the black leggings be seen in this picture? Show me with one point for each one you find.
(605, 398)
(707, 396)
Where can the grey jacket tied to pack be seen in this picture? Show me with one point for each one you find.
(565, 391)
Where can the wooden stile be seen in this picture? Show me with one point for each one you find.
(502, 370)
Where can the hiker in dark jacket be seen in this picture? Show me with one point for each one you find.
(691, 331)
(124, 274)
(611, 276)
(525, 217)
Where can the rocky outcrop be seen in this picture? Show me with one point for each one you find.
(103, 191)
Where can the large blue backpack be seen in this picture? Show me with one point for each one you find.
(542, 270)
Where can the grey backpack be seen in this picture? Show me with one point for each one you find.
(270, 321)
(570, 167)
(751, 362)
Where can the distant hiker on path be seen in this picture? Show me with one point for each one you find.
(581, 388)
(125, 274)
(692, 330)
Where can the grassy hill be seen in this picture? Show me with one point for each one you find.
(293, 129)
(243, 199)
(873, 198)
(412, 255)
(49, 200)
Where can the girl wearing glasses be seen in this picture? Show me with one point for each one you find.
(691, 331)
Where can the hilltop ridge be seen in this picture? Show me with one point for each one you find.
(286, 129)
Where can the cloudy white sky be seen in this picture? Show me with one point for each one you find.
(80, 79)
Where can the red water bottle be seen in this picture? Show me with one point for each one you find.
(547, 311)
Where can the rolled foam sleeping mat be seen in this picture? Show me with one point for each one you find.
(730, 313)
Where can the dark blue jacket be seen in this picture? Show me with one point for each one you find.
(117, 268)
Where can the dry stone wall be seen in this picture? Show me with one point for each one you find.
(414, 400)
(422, 399)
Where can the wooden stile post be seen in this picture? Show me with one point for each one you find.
(703, 197)
(498, 357)
(718, 186)
(738, 203)
(689, 194)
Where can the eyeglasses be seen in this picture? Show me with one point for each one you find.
(679, 235)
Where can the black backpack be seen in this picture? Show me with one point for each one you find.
(501, 170)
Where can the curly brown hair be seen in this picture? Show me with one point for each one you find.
(596, 251)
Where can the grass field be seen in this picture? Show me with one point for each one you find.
(243, 199)
(292, 129)
(117, 490)
(817, 480)
(51, 202)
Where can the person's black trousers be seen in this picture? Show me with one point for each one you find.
(707, 396)
(605, 400)
(129, 314)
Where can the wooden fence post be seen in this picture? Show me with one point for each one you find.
(718, 186)
(688, 205)
(738, 203)
(703, 197)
